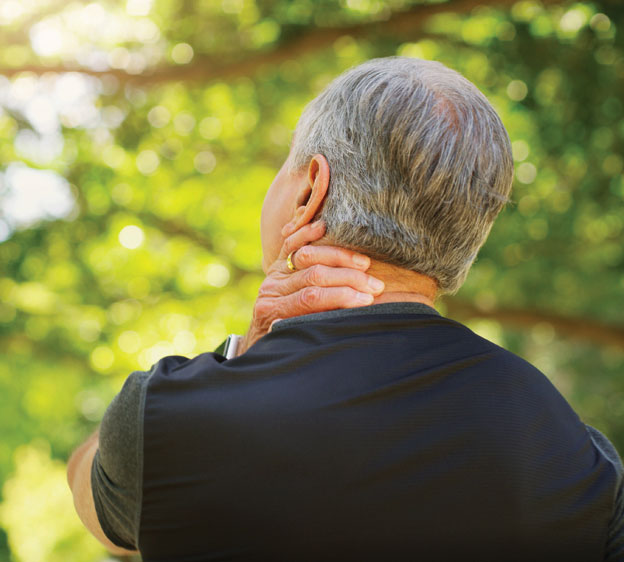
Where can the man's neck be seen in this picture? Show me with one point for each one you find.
(403, 285)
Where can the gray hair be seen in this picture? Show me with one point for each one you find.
(420, 164)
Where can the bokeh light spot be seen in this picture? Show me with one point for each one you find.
(210, 128)
(517, 90)
(131, 237)
(101, 358)
(31, 195)
(205, 162)
(573, 20)
(216, 275)
(158, 116)
(184, 123)
(184, 342)
(138, 7)
(129, 341)
(600, 22)
(182, 53)
(147, 162)
(526, 173)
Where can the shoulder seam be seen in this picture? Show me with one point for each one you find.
(140, 458)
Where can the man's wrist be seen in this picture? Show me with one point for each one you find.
(244, 344)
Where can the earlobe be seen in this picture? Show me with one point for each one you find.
(312, 197)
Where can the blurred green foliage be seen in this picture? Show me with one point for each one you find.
(137, 140)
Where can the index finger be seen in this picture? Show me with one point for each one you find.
(332, 256)
(306, 234)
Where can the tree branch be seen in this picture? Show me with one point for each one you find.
(174, 228)
(578, 329)
(303, 42)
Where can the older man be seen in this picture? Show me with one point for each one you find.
(356, 423)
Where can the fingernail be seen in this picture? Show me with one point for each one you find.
(317, 224)
(365, 298)
(375, 284)
(360, 261)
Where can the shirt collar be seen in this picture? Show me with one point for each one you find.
(384, 308)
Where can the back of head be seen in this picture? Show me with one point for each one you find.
(420, 164)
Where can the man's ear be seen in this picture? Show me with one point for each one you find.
(312, 194)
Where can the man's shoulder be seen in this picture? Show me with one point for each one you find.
(121, 425)
(506, 361)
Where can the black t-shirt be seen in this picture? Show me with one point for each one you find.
(380, 433)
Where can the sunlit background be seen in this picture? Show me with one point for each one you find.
(137, 140)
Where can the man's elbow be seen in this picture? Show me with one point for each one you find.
(75, 461)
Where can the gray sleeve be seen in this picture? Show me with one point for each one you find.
(614, 551)
(117, 470)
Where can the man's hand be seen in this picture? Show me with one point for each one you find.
(326, 278)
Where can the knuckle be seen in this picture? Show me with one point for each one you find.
(289, 244)
(263, 308)
(303, 255)
(267, 289)
(310, 297)
(361, 280)
(314, 275)
(358, 279)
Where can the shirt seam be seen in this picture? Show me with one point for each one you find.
(140, 460)
(619, 481)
